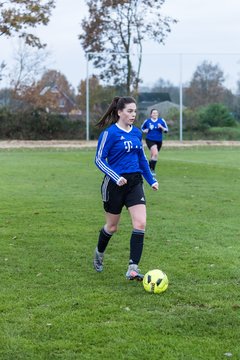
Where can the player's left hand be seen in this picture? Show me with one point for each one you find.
(155, 186)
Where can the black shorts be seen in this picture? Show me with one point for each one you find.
(150, 143)
(116, 197)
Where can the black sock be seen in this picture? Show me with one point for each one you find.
(154, 162)
(103, 240)
(136, 246)
(150, 164)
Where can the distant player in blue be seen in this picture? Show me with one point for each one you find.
(120, 156)
(154, 127)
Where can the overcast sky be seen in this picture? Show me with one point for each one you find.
(207, 29)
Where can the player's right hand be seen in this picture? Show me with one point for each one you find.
(122, 181)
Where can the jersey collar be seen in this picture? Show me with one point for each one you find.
(127, 131)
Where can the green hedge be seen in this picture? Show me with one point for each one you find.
(39, 125)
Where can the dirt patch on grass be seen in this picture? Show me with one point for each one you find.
(15, 144)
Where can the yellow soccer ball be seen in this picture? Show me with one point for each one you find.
(155, 281)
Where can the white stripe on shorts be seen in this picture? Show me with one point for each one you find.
(104, 188)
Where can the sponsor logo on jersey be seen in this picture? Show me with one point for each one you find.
(128, 145)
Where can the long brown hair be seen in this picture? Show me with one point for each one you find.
(111, 115)
(153, 110)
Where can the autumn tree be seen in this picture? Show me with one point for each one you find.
(16, 16)
(206, 85)
(101, 96)
(42, 94)
(114, 33)
(54, 77)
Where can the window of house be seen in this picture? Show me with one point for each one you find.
(61, 103)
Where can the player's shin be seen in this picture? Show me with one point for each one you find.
(136, 246)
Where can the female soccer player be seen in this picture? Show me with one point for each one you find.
(120, 156)
(154, 128)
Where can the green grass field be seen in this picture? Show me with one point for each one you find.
(53, 305)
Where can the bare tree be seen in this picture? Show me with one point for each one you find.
(115, 30)
(2, 67)
(29, 65)
(206, 85)
(167, 86)
(17, 16)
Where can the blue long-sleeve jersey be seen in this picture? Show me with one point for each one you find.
(120, 151)
(154, 132)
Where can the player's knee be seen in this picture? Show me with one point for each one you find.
(112, 228)
(140, 225)
(154, 154)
